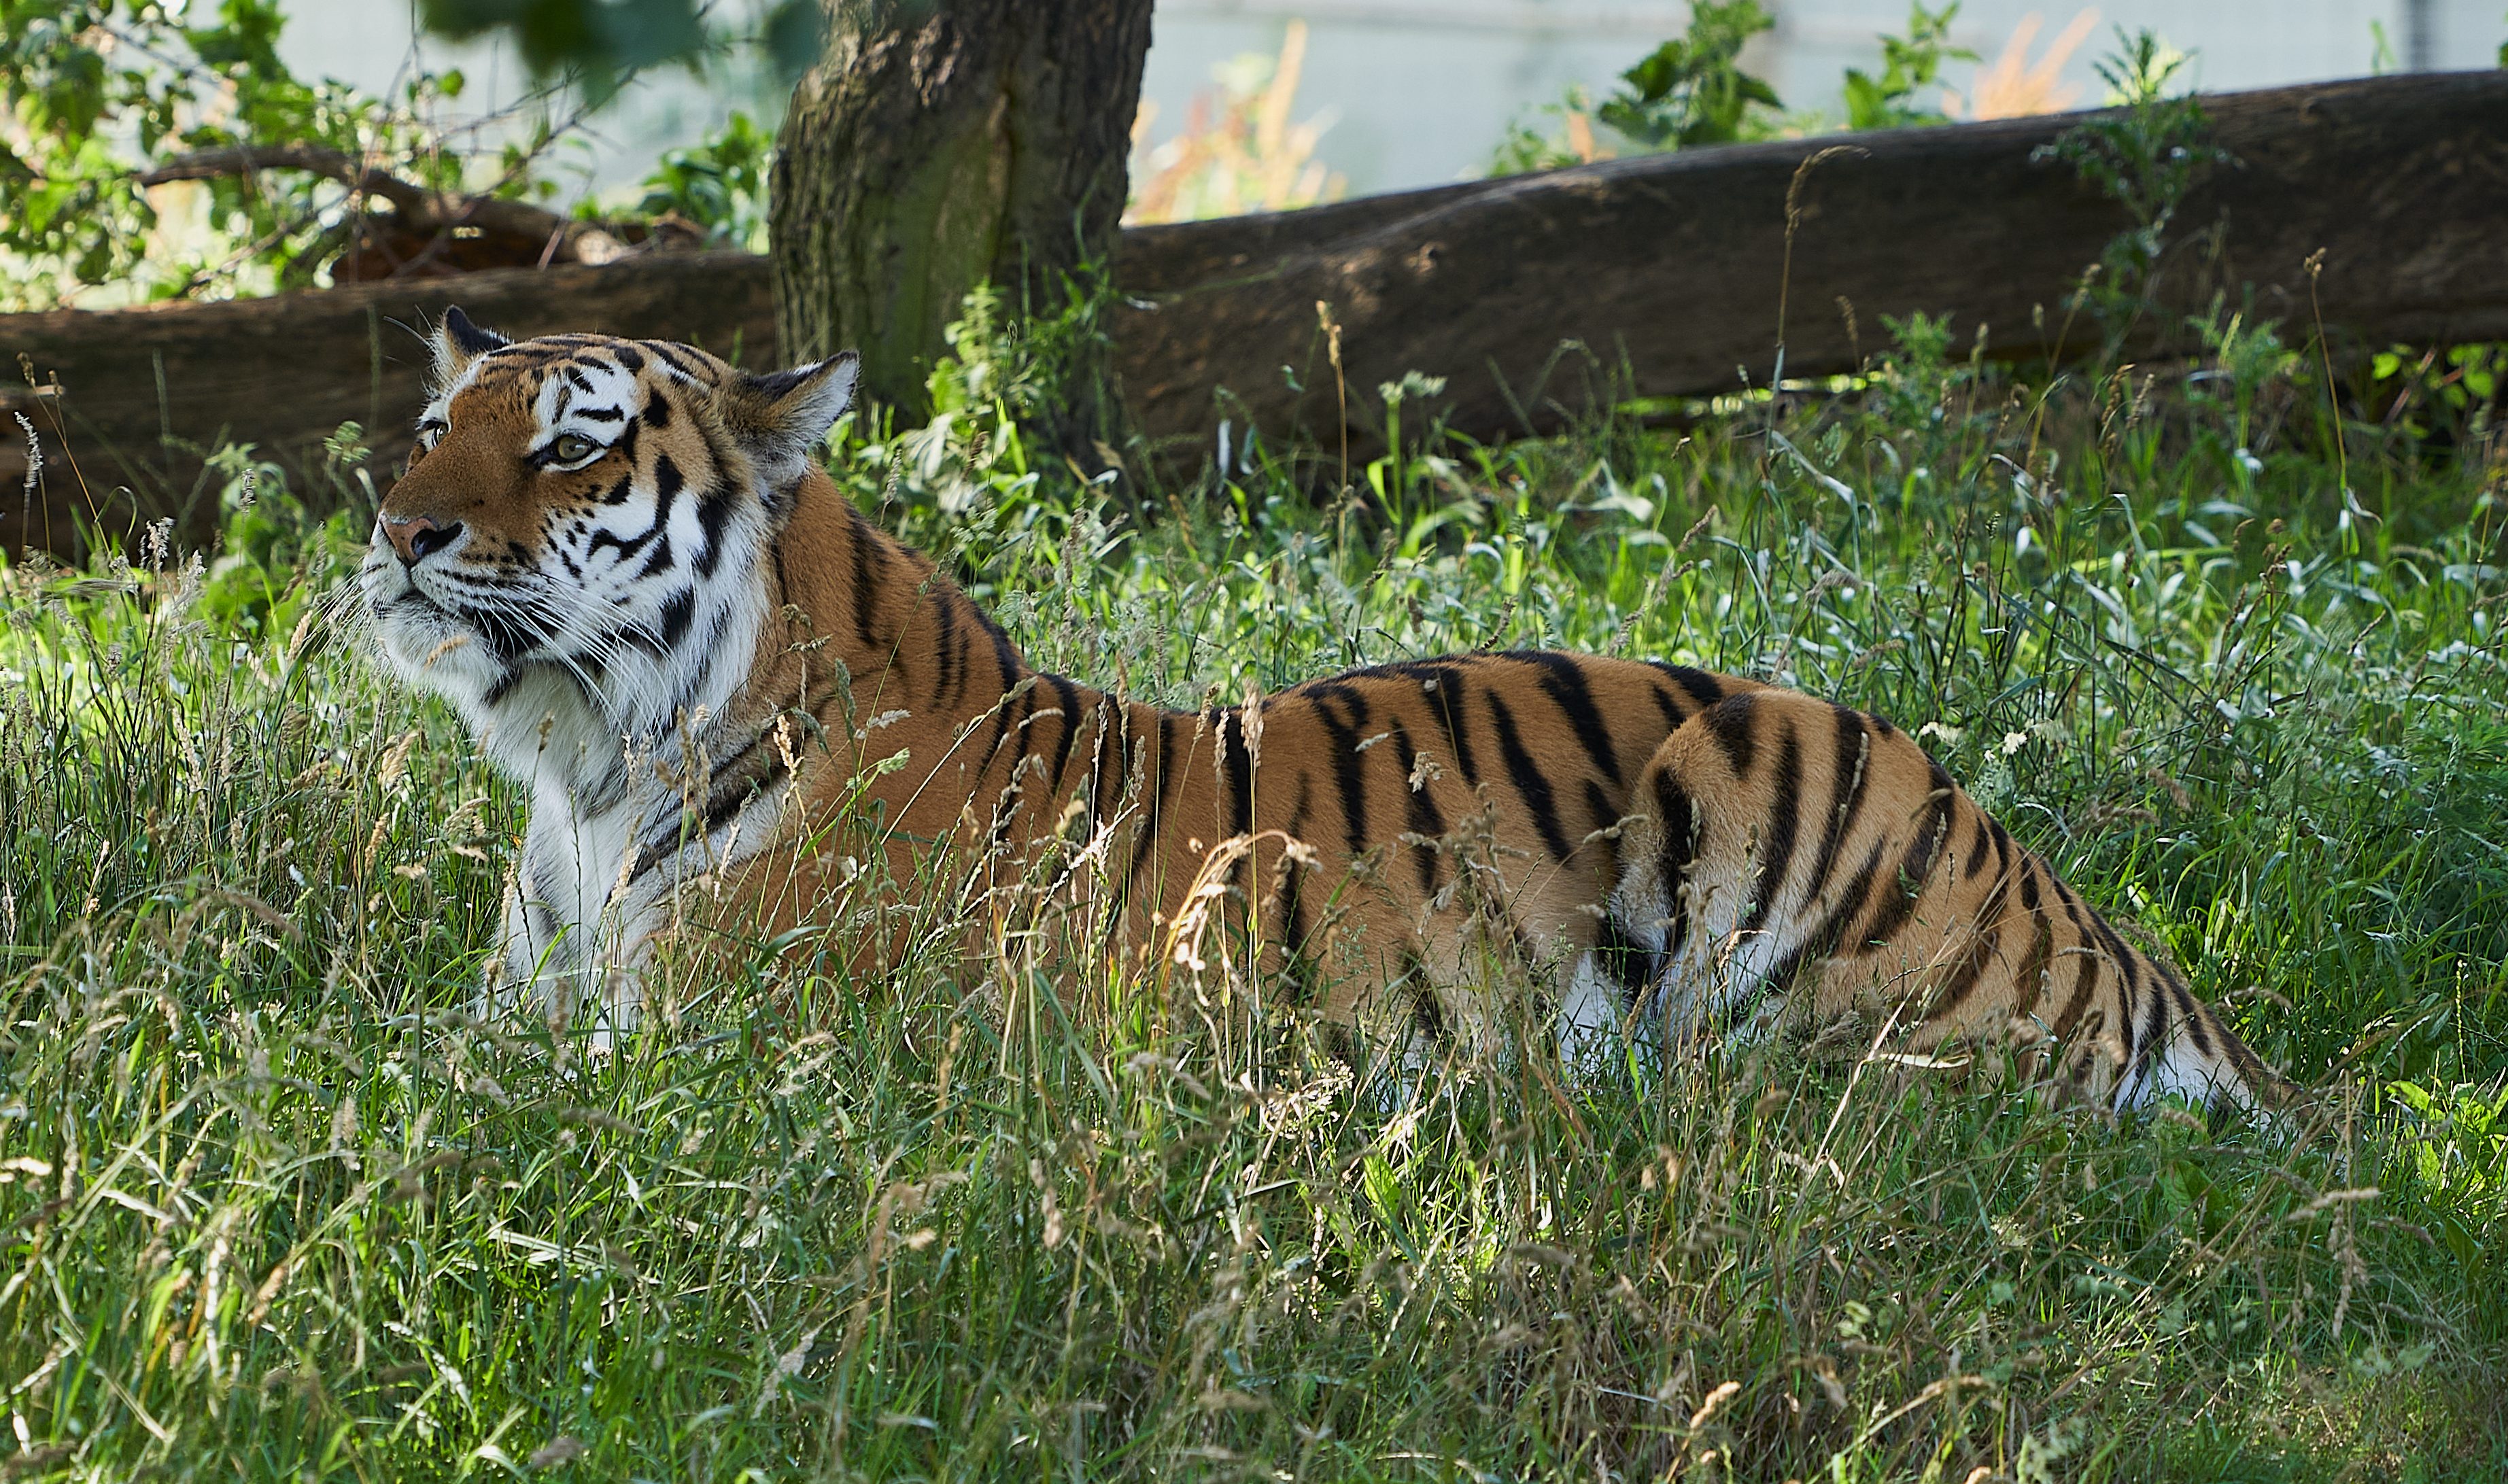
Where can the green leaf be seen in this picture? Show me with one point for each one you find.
(795, 32)
(246, 40)
(601, 42)
(1690, 89)
(1383, 1187)
(1866, 104)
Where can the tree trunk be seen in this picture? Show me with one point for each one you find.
(946, 143)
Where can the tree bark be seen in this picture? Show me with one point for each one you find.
(946, 143)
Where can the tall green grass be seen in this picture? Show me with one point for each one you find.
(277, 1205)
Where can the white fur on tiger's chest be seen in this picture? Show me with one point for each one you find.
(606, 849)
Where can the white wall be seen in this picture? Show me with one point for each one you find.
(2235, 43)
(1420, 90)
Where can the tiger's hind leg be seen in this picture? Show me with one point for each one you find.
(1788, 835)
(1755, 847)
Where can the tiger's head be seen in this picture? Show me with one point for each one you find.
(574, 543)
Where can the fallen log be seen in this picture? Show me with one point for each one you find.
(1679, 273)
(1668, 271)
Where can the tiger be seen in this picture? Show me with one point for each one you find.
(623, 563)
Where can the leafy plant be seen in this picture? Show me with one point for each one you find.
(274, 554)
(1691, 90)
(2462, 1156)
(2145, 155)
(1526, 147)
(598, 44)
(719, 184)
(2439, 391)
(1908, 62)
(119, 110)
(96, 91)
(1001, 388)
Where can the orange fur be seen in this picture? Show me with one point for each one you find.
(1362, 841)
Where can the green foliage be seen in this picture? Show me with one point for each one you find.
(970, 453)
(2463, 1150)
(2145, 155)
(719, 184)
(1908, 62)
(1525, 148)
(1920, 377)
(2445, 392)
(101, 92)
(62, 199)
(273, 554)
(1691, 90)
(2382, 50)
(600, 44)
(99, 89)
(1688, 91)
(997, 393)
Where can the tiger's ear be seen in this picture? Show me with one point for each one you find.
(458, 343)
(779, 418)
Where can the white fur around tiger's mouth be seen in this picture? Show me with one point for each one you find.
(426, 641)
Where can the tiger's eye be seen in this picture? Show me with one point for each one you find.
(572, 447)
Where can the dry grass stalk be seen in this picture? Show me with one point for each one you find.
(1238, 151)
(2012, 85)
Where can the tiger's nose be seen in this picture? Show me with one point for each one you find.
(416, 535)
